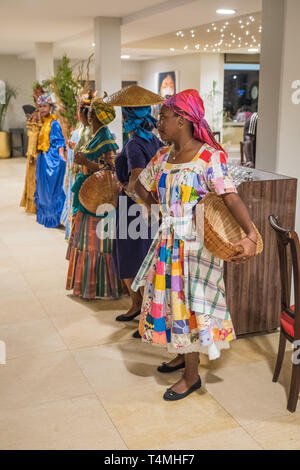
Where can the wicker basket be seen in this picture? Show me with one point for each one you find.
(221, 229)
(100, 188)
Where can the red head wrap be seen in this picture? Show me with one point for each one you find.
(189, 105)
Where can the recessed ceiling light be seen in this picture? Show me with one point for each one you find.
(208, 30)
(93, 44)
(125, 56)
(224, 11)
(172, 49)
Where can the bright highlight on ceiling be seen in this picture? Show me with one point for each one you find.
(236, 34)
(224, 11)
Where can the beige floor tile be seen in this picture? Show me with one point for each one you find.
(281, 433)
(128, 365)
(50, 280)
(145, 420)
(79, 423)
(80, 330)
(31, 337)
(26, 237)
(230, 439)
(39, 259)
(20, 308)
(12, 282)
(248, 393)
(83, 323)
(33, 380)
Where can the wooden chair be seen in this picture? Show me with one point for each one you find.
(290, 315)
(247, 154)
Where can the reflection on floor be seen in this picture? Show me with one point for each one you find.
(76, 379)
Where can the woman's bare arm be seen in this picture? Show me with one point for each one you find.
(133, 177)
(146, 196)
(241, 214)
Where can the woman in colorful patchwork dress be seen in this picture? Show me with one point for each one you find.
(91, 271)
(49, 195)
(79, 139)
(129, 252)
(184, 304)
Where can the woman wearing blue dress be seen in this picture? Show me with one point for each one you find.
(50, 167)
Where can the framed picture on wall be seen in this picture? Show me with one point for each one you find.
(167, 83)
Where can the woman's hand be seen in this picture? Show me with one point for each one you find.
(71, 144)
(249, 250)
(80, 158)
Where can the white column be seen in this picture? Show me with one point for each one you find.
(212, 69)
(107, 33)
(279, 96)
(44, 61)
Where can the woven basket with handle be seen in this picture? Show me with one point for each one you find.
(100, 188)
(221, 229)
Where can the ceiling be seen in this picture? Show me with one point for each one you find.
(148, 26)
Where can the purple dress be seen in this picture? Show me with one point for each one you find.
(128, 253)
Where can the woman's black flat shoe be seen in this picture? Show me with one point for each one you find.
(126, 317)
(166, 369)
(170, 395)
(136, 334)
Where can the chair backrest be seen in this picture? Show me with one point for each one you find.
(288, 239)
(247, 154)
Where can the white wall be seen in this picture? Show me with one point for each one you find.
(187, 66)
(20, 74)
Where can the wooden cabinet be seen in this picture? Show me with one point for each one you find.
(253, 289)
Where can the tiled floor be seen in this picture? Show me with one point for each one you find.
(76, 379)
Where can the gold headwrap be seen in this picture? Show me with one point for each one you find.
(105, 113)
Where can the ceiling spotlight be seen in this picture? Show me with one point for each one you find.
(234, 77)
(247, 32)
(186, 47)
(125, 56)
(197, 46)
(242, 26)
(240, 21)
(193, 35)
(93, 44)
(224, 11)
(172, 49)
(208, 30)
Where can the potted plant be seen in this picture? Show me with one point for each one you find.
(8, 93)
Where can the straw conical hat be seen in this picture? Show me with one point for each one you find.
(134, 96)
(221, 230)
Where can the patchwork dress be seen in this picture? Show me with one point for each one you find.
(184, 305)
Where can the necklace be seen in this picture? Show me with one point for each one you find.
(174, 154)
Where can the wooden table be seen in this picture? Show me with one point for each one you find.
(253, 289)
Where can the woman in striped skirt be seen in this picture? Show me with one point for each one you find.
(91, 270)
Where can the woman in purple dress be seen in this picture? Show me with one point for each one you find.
(130, 252)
